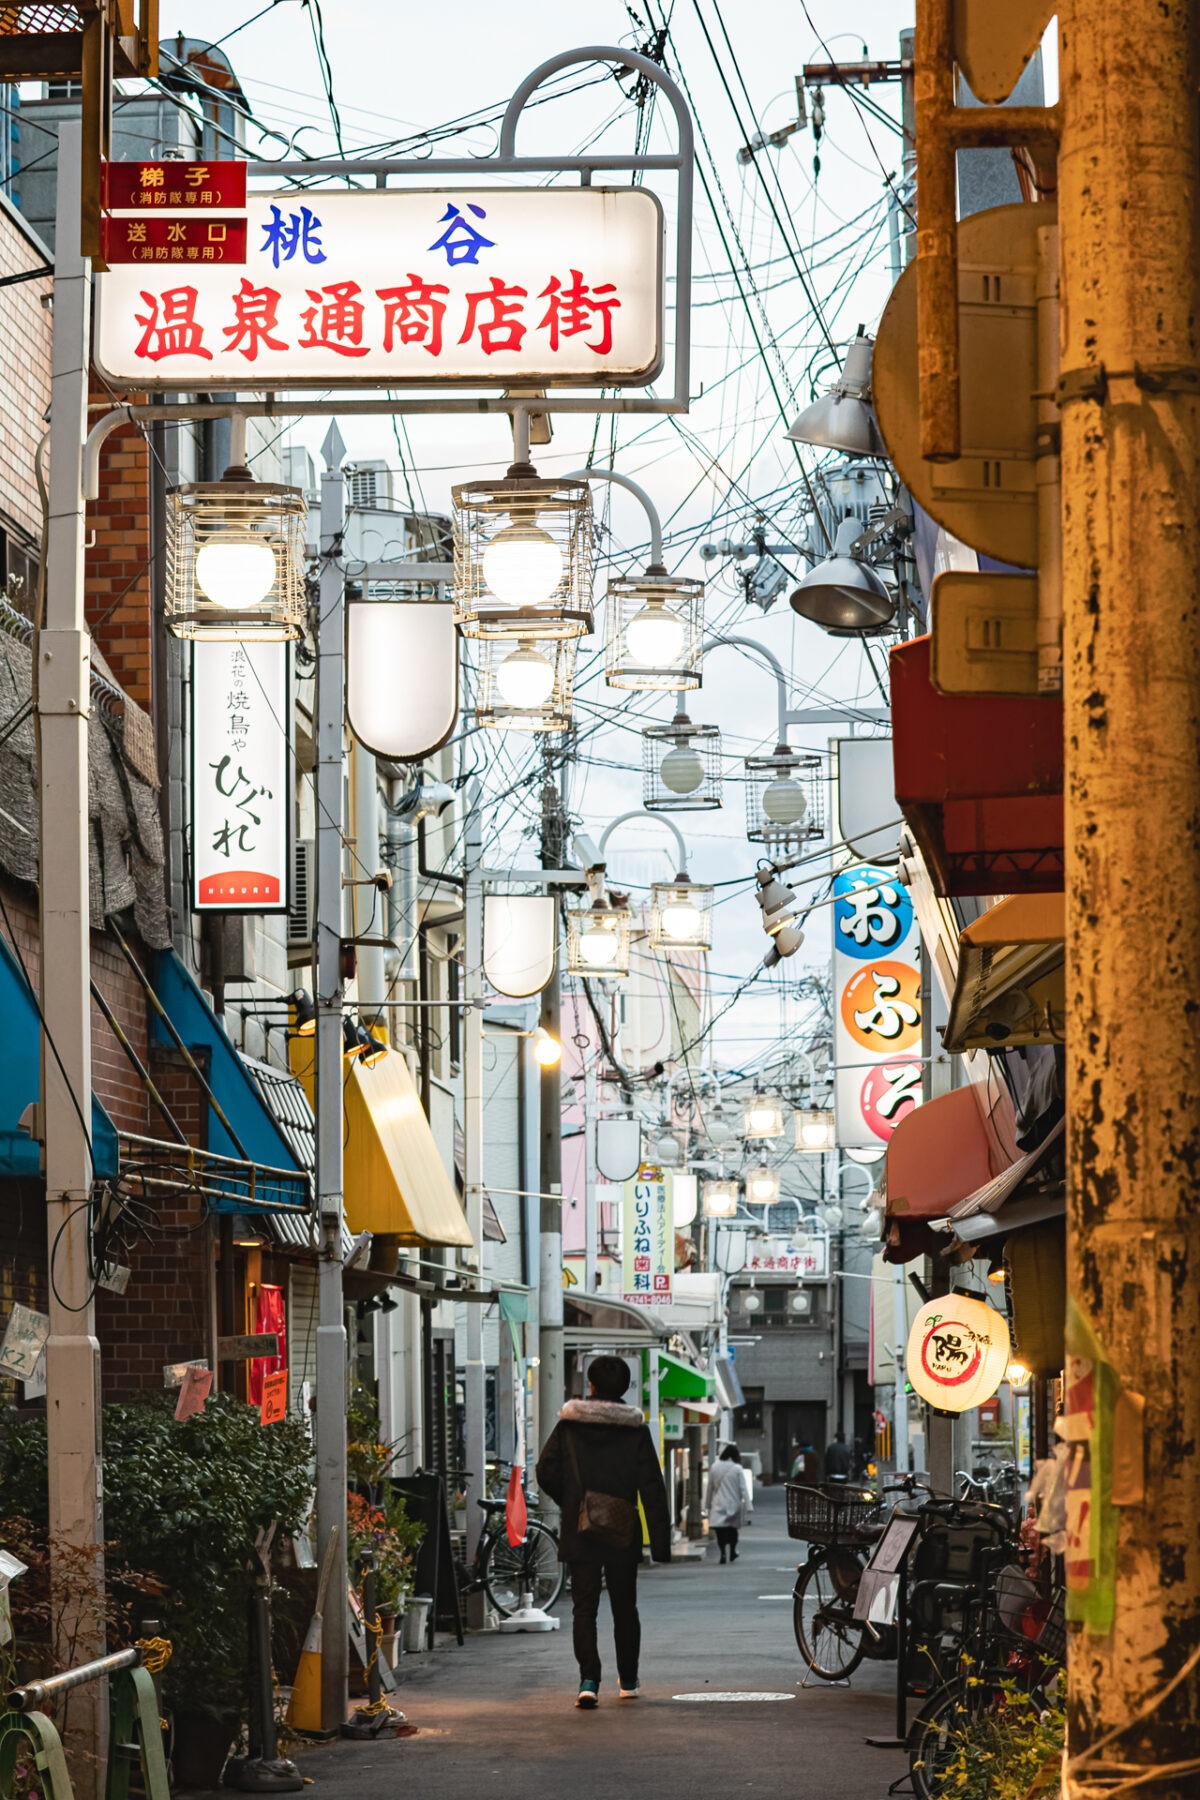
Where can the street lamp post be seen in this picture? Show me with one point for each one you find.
(331, 1317)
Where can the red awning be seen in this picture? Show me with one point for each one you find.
(979, 780)
(937, 1155)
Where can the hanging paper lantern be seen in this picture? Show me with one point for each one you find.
(958, 1351)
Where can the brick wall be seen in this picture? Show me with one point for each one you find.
(117, 587)
(26, 327)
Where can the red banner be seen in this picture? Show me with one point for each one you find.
(174, 240)
(173, 185)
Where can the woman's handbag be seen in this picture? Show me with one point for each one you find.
(604, 1519)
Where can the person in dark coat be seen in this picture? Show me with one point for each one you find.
(603, 1447)
(837, 1459)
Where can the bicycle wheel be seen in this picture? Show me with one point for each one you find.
(531, 1567)
(949, 1731)
(831, 1639)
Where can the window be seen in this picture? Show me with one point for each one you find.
(749, 1418)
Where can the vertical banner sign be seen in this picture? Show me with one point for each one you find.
(648, 1238)
(877, 1005)
(241, 781)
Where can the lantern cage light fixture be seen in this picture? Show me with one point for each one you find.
(681, 766)
(599, 940)
(525, 684)
(666, 1149)
(681, 914)
(816, 1130)
(523, 552)
(763, 1116)
(717, 1129)
(235, 559)
(654, 631)
(654, 622)
(762, 1185)
(784, 805)
(719, 1198)
(680, 910)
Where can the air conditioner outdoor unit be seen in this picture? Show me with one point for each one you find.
(300, 925)
(368, 484)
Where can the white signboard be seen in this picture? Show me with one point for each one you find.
(779, 1256)
(648, 1238)
(241, 780)
(24, 1341)
(877, 1005)
(387, 288)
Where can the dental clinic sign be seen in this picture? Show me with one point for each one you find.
(389, 288)
(647, 1238)
(241, 782)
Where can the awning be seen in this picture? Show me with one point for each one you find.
(695, 1411)
(21, 1081)
(1006, 1204)
(979, 780)
(588, 1317)
(395, 1182)
(273, 1175)
(1011, 985)
(680, 1381)
(948, 1148)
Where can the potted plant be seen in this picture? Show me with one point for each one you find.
(391, 1538)
(185, 1502)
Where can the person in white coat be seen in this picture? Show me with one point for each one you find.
(725, 1500)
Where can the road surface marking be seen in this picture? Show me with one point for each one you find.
(745, 1696)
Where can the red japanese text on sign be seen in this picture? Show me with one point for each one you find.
(136, 186)
(174, 240)
(379, 288)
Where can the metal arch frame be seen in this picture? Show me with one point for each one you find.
(639, 812)
(681, 163)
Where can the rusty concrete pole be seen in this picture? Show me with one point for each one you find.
(1131, 569)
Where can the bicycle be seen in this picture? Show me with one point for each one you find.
(1008, 1609)
(508, 1572)
(839, 1525)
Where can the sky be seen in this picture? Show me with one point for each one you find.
(397, 71)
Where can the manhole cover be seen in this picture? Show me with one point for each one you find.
(749, 1695)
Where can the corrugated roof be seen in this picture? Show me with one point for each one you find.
(285, 1100)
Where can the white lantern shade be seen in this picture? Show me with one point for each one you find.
(401, 676)
(764, 1116)
(762, 1186)
(720, 1199)
(685, 1199)
(816, 1130)
(667, 1150)
(958, 1351)
(618, 1148)
(520, 937)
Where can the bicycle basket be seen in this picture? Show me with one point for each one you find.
(810, 1514)
(823, 1518)
(1029, 1615)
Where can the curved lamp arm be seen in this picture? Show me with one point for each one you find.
(659, 819)
(624, 59)
(655, 565)
(776, 667)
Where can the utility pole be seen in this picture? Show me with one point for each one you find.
(591, 1207)
(1130, 403)
(331, 1326)
(550, 1286)
(474, 1386)
(61, 684)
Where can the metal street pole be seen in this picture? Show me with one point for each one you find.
(331, 1327)
(550, 1283)
(61, 680)
(474, 1387)
(1130, 397)
(591, 1207)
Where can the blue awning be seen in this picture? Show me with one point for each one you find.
(276, 1181)
(21, 1080)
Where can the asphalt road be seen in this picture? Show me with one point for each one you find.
(497, 1718)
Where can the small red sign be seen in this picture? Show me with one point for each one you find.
(169, 185)
(274, 1398)
(174, 240)
(239, 887)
